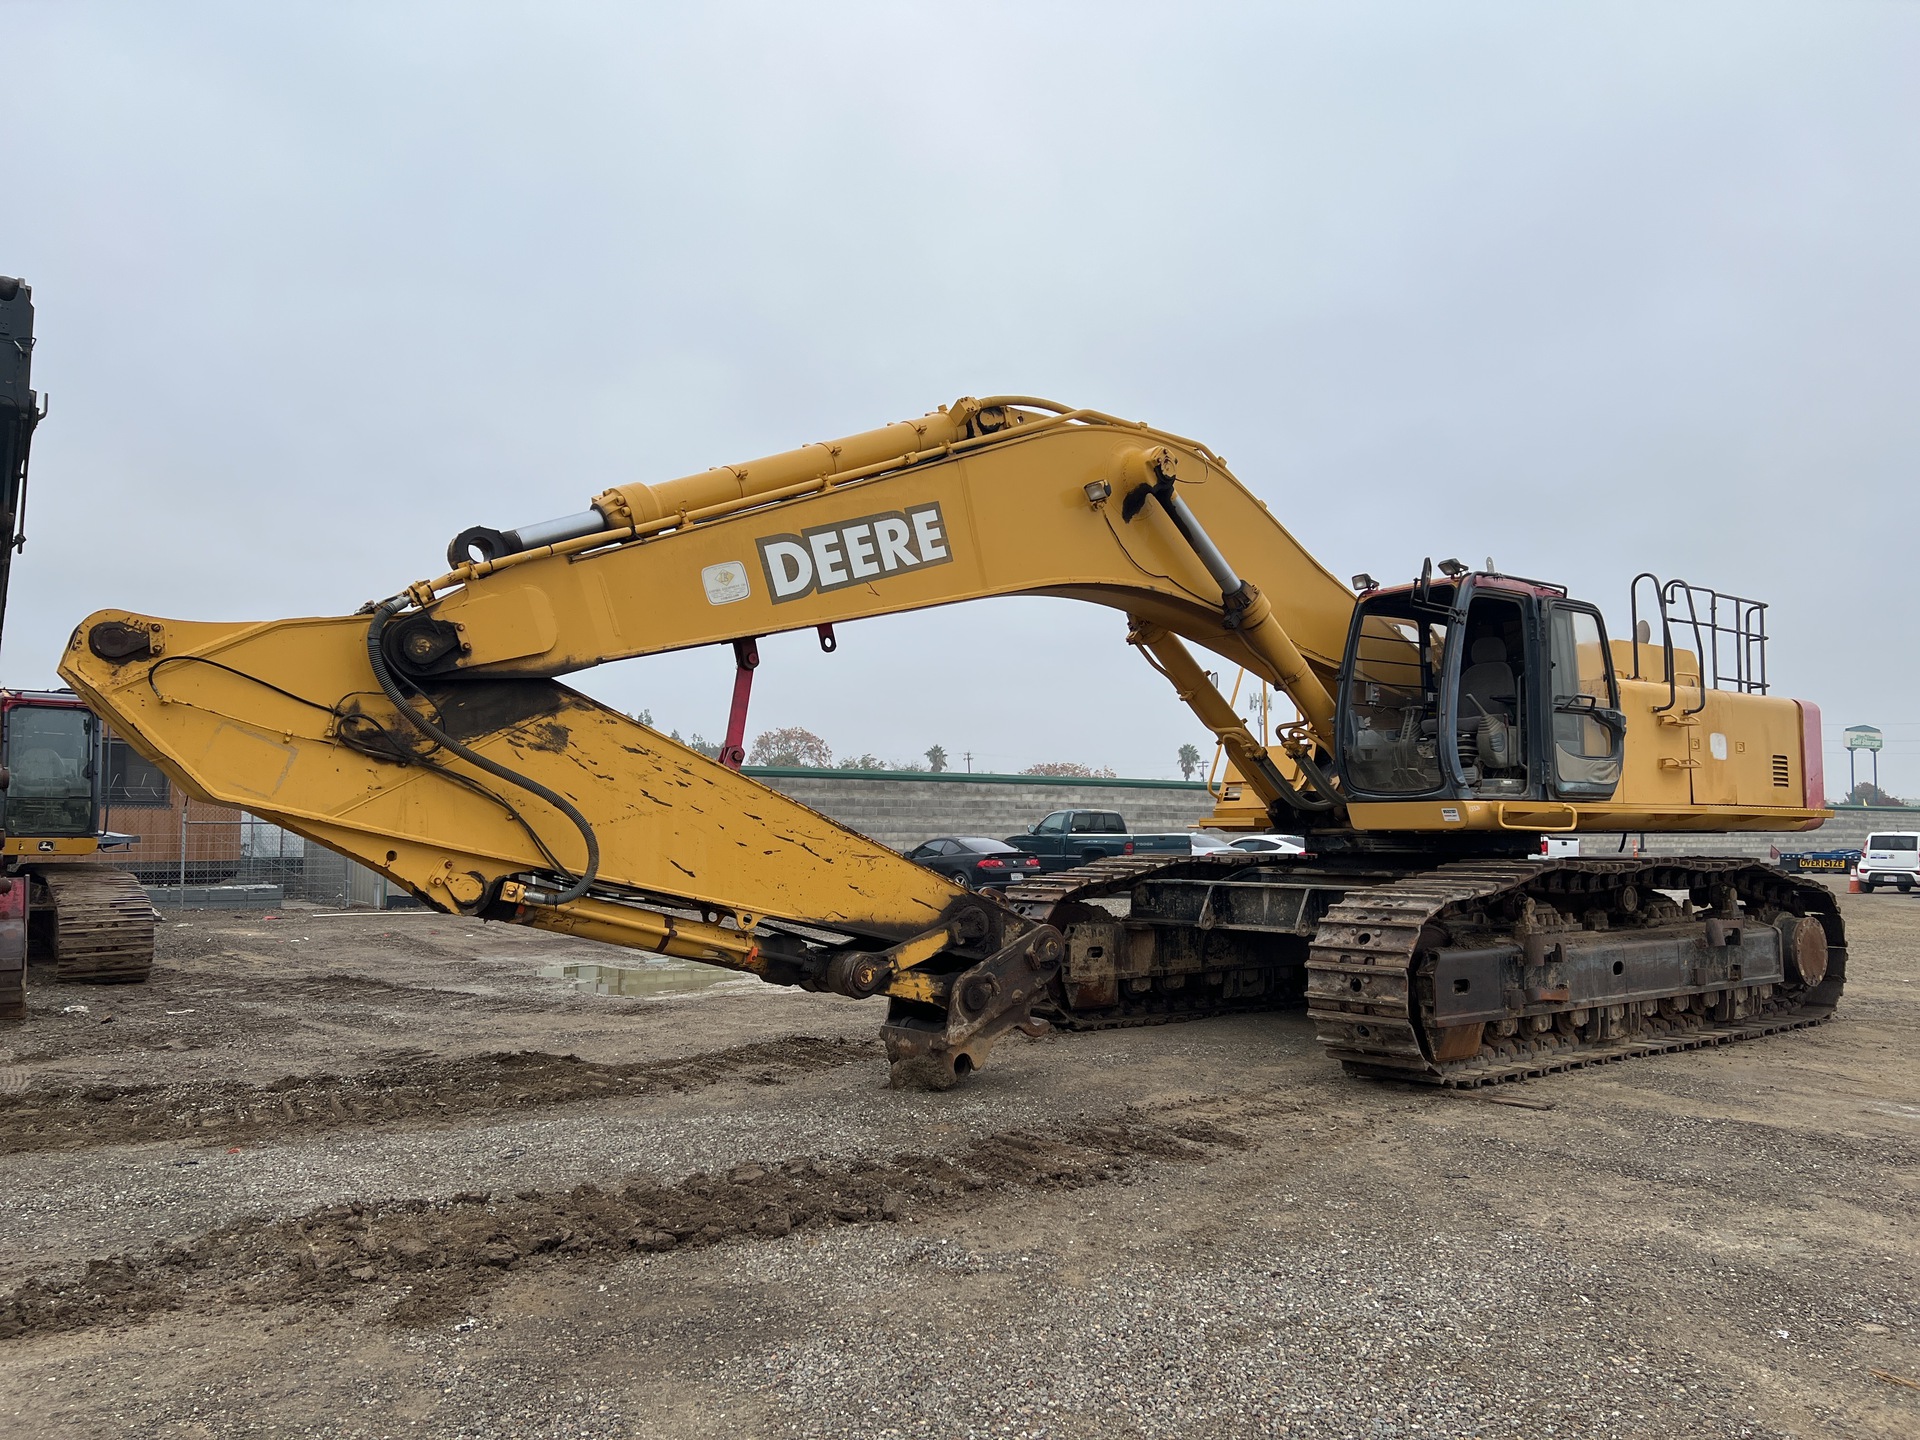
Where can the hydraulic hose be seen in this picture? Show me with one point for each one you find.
(384, 612)
(1318, 779)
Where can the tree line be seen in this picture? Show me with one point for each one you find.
(795, 747)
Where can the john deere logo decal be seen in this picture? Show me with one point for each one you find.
(832, 557)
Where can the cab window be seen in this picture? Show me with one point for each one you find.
(1054, 824)
(49, 750)
(1586, 732)
(1392, 702)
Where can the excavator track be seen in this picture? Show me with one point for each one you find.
(1067, 899)
(1040, 897)
(93, 922)
(1369, 953)
(1376, 983)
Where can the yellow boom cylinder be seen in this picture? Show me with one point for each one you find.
(625, 505)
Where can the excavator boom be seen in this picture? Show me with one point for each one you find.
(981, 498)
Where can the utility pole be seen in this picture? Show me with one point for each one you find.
(967, 755)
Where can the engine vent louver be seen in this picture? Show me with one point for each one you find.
(1782, 772)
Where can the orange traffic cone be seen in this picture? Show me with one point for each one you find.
(1853, 883)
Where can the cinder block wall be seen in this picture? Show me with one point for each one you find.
(902, 810)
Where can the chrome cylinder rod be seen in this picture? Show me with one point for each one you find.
(483, 543)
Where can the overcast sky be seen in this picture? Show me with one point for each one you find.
(1591, 289)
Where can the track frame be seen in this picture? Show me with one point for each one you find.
(1578, 962)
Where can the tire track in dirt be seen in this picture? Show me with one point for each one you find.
(365, 992)
(426, 1088)
(428, 1259)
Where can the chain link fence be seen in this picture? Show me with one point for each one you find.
(214, 857)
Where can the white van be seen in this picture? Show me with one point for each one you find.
(1890, 857)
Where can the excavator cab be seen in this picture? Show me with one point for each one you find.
(92, 921)
(50, 746)
(1478, 686)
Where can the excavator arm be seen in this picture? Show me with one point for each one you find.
(428, 737)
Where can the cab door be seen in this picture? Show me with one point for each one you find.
(1586, 733)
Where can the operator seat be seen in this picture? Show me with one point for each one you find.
(1489, 707)
(1488, 685)
(44, 770)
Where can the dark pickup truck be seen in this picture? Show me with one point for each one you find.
(1067, 838)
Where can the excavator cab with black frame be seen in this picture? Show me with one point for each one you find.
(1478, 687)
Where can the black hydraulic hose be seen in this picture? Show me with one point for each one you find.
(1305, 804)
(381, 615)
(1318, 780)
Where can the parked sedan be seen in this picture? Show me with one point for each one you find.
(975, 860)
(1270, 844)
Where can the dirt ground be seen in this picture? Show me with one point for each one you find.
(380, 1175)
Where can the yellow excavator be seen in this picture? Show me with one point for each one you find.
(1444, 725)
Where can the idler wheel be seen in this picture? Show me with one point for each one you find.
(1804, 944)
